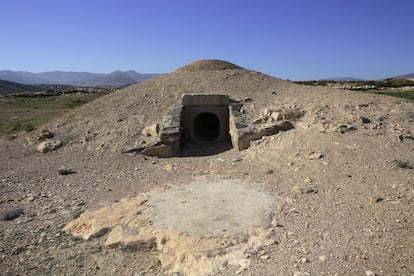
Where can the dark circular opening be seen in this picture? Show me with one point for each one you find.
(206, 126)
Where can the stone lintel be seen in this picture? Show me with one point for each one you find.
(204, 99)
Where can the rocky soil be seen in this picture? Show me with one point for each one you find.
(342, 179)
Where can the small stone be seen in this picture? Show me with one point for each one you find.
(258, 120)
(297, 189)
(49, 145)
(310, 190)
(276, 116)
(12, 214)
(44, 135)
(322, 258)
(303, 260)
(345, 128)
(365, 120)
(265, 257)
(314, 155)
(237, 159)
(299, 273)
(308, 180)
(29, 198)
(370, 273)
(269, 171)
(42, 235)
(65, 171)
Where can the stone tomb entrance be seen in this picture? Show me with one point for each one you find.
(207, 124)
(205, 119)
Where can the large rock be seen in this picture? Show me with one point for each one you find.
(44, 135)
(49, 145)
(245, 136)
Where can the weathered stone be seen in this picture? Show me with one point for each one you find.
(268, 116)
(268, 171)
(152, 130)
(365, 120)
(304, 260)
(276, 116)
(345, 128)
(314, 155)
(49, 145)
(44, 135)
(65, 171)
(246, 136)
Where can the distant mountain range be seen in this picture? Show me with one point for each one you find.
(8, 87)
(112, 80)
(343, 79)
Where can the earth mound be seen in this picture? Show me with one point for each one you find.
(341, 183)
(210, 64)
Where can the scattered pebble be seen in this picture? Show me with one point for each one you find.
(29, 198)
(308, 180)
(376, 199)
(365, 120)
(265, 257)
(269, 171)
(310, 190)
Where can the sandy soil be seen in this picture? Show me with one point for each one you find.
(344, 186)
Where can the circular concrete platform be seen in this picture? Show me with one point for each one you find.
(211, 207)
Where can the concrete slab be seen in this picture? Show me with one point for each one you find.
(211, 207)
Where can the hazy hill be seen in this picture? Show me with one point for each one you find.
(406, 76)
(114, 79)
(8, 87)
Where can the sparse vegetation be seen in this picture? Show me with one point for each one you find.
(390, 87)
(395, 93)
(22, 113)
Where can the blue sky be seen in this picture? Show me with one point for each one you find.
(294, 39)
